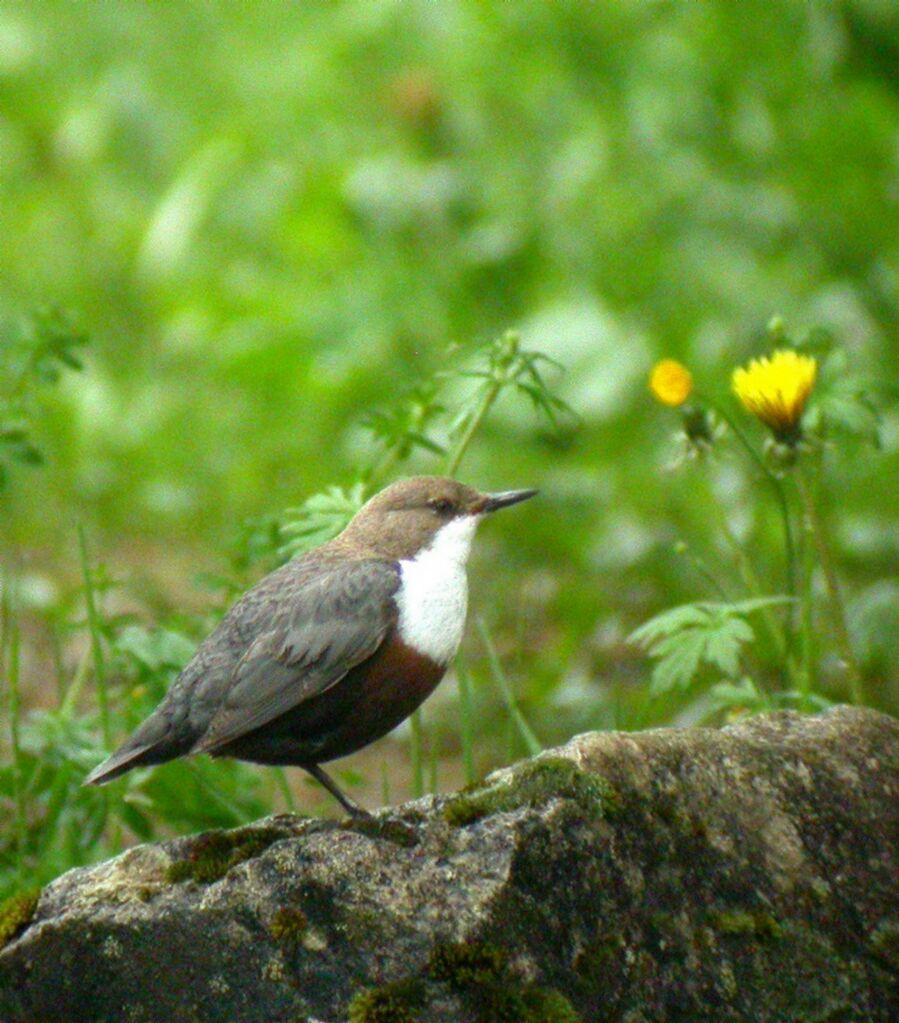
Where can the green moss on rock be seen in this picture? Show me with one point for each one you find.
(397, 832)
(16, 914)
(288, 925)
(756, 924)
(481, 974)
(546, 1005)
(214, 853)
(534, 785)
(392, 1003)
(467, 964)
(884, 943)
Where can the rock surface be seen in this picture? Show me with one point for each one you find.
(743, 874)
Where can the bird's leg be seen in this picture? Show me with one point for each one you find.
(350, 805)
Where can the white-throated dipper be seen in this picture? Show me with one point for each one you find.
(335, 648)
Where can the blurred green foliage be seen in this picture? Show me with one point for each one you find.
(277, 222)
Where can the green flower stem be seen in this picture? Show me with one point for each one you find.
(808, 675)
(752, 584)
(779, 491)
(837, 611)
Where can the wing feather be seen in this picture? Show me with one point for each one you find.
(336, 620)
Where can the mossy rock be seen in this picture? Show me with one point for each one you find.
(534, 785)
(214, 853)
(16, 914)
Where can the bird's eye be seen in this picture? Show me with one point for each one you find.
(441, 505)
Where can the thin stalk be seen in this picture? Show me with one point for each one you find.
(96, 642)
(417, 755)
(491, 392)
(498, 380)
(286, 793)
(67, 707)
(752, 583)
(530, 740)
(432, 768)
(385, 784)
(705, 572)
(779, 492)
(10, 644)
(808, 678)
(467, 717)
(58, 669)
(837, 610)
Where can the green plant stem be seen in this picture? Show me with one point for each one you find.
(497, 381)
(491, 392)
(417, 755)
(96, 642)
(385, 784)
(433, 768)
(779, 492)
(466, 714)
(837, 611)
(10, 647)
(67, 707)
(808, 677)
(286, 792)
(751, 581)
(532, 743)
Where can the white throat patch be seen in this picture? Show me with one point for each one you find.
(433, 593)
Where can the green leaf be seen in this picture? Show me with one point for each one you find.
(679, 659)
(723, 645)
(742, 694)
(683, 639)
(668, 622)
(320, 518)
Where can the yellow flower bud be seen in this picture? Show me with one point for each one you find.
(671, 382)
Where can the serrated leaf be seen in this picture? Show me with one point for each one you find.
(723, 645)
(679, 660)
(668, 622)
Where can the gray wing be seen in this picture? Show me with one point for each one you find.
(334, 621)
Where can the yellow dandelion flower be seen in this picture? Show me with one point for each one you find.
(775, 390)
(671, 382)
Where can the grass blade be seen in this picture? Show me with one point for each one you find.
(416, 752)
(10, 646)
(532, 743)
(96, 642)
(467, 722)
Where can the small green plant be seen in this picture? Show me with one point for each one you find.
(806, 400)
(33, 355)
(438, 419)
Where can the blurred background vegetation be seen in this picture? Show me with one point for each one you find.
(270, 220)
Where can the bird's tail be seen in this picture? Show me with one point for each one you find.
(120, 762)
(150, 744)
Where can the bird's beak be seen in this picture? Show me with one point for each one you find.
(504, 499)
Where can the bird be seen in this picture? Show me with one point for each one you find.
(332, 650)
